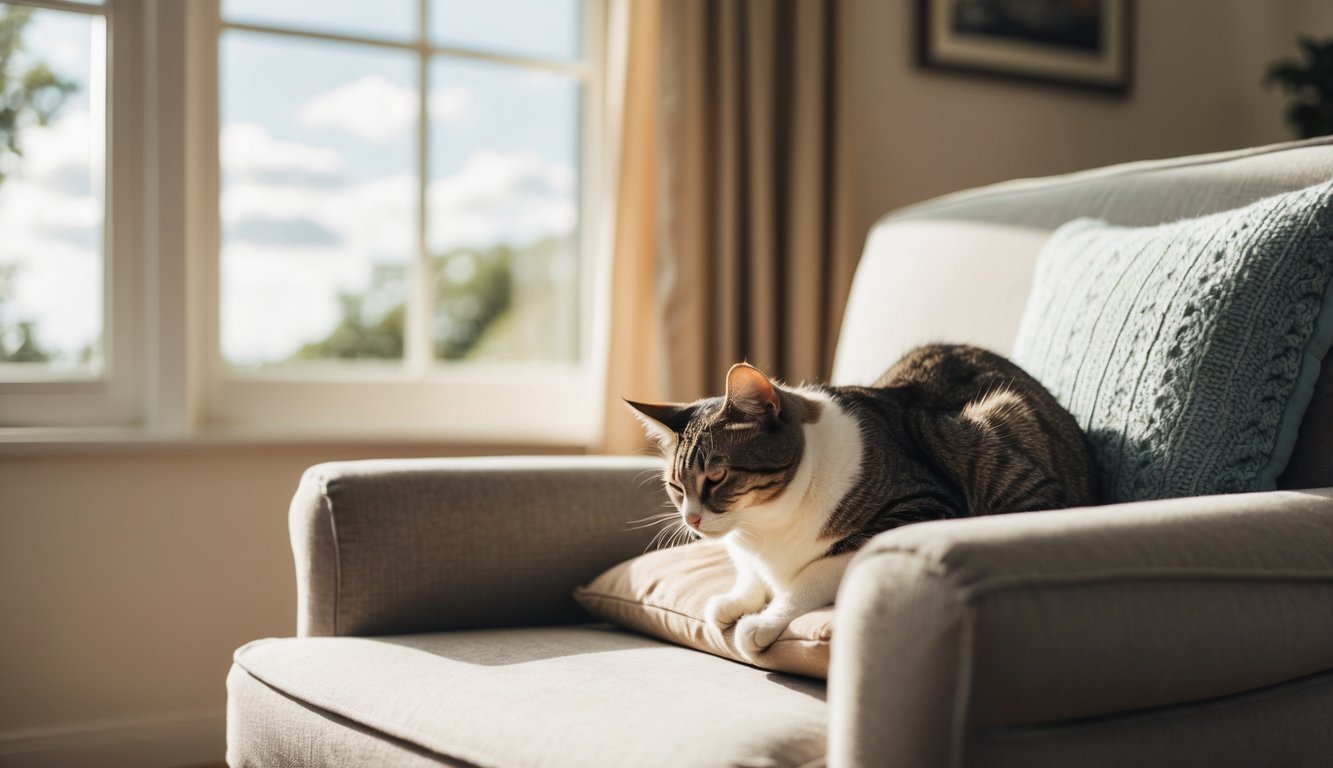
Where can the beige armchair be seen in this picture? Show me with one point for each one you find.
(437, 627)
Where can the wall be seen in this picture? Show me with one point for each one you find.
(127, 578)
(1197, 88)
(1313, 17)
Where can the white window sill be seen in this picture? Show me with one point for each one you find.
(40, 441)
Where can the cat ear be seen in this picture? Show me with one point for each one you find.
(662, 421)
(750, 391)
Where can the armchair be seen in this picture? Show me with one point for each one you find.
(436, 623)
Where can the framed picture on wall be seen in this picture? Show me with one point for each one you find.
(1081, 43)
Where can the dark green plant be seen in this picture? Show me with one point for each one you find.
(1309, 82)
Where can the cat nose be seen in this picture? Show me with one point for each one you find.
(692, 521)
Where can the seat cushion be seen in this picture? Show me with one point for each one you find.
(559, 696)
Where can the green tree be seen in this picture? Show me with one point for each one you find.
(18, 342)
(473, 288)
(355, 337)
(30, 93)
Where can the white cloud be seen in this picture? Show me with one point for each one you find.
(248, 148)
(278, 298)
(495, 197)
(450, 104)
(501, 197)
(371, 107)
(51, 232)
(376, 109)
(275, 298)
(64, 56)
(67, 142)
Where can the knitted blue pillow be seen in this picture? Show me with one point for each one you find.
(1188, 351)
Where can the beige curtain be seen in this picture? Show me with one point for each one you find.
(634, 354)
(729, 232)
(755, 258)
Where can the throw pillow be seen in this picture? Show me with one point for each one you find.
(663, 593)
(1187, 351)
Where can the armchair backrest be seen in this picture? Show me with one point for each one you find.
(959, 268)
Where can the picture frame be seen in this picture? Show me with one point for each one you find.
(1085, 44)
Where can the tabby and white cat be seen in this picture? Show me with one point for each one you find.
(793, 480)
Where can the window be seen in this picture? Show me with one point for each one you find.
(383, 222)
(66, 351)
(402, 202)
(52, 140)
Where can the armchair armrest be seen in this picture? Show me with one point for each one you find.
(414, 545)
(947, 629)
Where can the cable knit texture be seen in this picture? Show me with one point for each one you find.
(1187, 351)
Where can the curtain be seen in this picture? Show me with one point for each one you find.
(634, 355)
(729, 225)
(754, 257)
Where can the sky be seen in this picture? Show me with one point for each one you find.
(319, 161)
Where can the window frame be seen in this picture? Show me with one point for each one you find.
(32, 396)
(165, 374)
(532, 403)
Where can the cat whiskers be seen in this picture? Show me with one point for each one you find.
(682, 535)
(669, 536)
(646, 476)
(651, 520)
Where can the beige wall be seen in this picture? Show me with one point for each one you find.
(127, 578)
(1313, 17)
(1197, 88)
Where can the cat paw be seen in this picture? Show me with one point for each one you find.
(755, 633)
(721, 611)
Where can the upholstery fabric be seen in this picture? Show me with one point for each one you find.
(1187, 352)
(267, 728)
(561, 696)
(1043, 618)
(663, 594)
(902, 300)
(412, 545)
(1281, 726)
(972, 302)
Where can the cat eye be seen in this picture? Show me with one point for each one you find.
(716, 475)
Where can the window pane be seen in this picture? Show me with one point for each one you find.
(503, 224)
(52, 149)
(540, 28)
(393, 19)
(319, 198)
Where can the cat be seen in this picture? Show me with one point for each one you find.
(794, 480)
